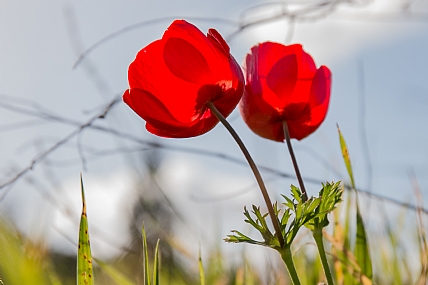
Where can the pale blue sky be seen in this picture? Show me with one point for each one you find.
(40, 42)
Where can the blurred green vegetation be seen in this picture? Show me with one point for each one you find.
(24, 261)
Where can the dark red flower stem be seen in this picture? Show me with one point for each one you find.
(293, 158)
(255, 170)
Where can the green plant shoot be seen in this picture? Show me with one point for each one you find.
(156, 264)
(85, 275)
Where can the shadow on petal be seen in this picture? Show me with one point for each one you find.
(185, 61)
(150, 108)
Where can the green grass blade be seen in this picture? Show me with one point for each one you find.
(146, 258)
(348, 278)
(201, 268)
(362, 253)
(346, 157)
(156, 266)
(347, 243)
(85, 275)
(117, 276)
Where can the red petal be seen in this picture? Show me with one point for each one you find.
(199, 128)
(317, 107)
(320, 95)
(230, 98)
(172, 79)
(213, 52)
(284, 84)
(321, 84)
(150, 108)
(185, 61)
(149, 72)
(276, 76)
(282, 77)
(300, 131)
(159, 120)
(218, 39)
(307, 66)
(260, 117)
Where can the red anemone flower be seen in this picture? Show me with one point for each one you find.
(172, 79)
(283, 84)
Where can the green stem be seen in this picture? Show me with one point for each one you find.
(288, 260)
(255, 170)
(317, 233)
(293, 158)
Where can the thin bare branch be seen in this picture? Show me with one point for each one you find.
(193, 151)
(54, 147)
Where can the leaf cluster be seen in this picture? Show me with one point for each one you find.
(297, 213)
(259, 223)
(329, 197)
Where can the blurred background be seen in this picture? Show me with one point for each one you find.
(62, 63)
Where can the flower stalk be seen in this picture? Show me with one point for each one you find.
(293, 158)
(317, 233)
(287, 257)
(255, 170)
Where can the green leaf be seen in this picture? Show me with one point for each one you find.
(260, 218)
(346, 157)
(297, 213)
(348, 278)
(117, 276)
(85, 275)
(146, 257)
(296, 193)
(156, 266)
(347, 230)
(313, 203)
(289, 202)
(251, 221)
(240, 237)
(362, 254)
(284, 220)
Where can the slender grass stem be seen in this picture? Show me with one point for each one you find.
(317, 233)
(293, 158)
(288, 260)
(255, 170)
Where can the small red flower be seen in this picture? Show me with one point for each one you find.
(283, 84)
(172, 79)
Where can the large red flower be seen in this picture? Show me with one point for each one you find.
(172, 79)
(283, 84)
